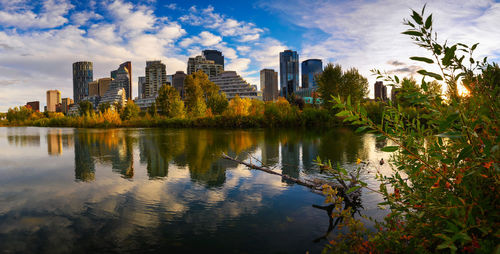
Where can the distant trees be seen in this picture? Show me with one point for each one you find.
(86, 108)
(336, 82)
(169, 102)
(130, 111)
(203, 94)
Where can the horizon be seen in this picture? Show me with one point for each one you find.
(41, 40)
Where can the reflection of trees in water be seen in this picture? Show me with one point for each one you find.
(342, 145)
(110, 146)
(18, 137)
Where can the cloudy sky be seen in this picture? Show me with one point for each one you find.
(39, 40)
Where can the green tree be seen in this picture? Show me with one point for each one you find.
(103, 107)
(336, 82)
(130, 111)
(218, 103)
(194, 99)
(169, 102)
(86, 108)
(153, 110)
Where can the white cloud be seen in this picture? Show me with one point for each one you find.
(81, 18)
(132, 20)
(19, 14)
(205, 38)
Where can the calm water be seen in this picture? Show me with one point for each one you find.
(150, 190)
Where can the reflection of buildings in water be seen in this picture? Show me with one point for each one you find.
(18, 137)
(309, 153)
(54, 142)
(270, 154)
(290, 159)
(84, 163)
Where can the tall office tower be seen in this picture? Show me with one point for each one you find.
(34, 105)
(53, 98)
(140, 87)
(269, 84)
(125, 73)
(380, 91)
(65, 104)
(310, 69)
(208, 66)
(82, 75)
(178, 82)
(289, 72)
(156, 76)
(214, 55)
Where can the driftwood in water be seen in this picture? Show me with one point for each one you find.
(315, 185)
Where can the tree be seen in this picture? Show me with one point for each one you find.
(169, 102)
(86, 108)
(153, 110)
(239, 106)
(217, 103)
(130, 111)
(194, 99)
(103, 107)
(335, 82)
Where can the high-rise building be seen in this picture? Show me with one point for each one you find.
(380, 91)
(289, 72)
(82, 75)
(201, 63)
(178, 82)
(140, 87)
(214, 55)
(123, 75)
(233, 84)
(311, 68)
(156, 76)
(99, 87)
(34, 105)
(269, 84)
(66, 102)
(53, 98)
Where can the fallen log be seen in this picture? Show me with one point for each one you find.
(316, 185)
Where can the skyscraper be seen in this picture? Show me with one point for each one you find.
(124, 72)
(178, 82)
(99, 87)
(53, 98)
(310, 69)
(269, 84)
(210, 68)
(141, 86)
(156, 76)
(65, 104)
(289, 72)
(82, 75)
(214, 55)
(380, 91)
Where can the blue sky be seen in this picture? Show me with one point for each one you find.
(39, 40)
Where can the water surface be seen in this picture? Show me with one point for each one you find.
(150, 190)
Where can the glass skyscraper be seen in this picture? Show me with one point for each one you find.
(82, 74)
(310, 69)
(214, 55)
(289, 72)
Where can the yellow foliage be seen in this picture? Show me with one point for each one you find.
(256, 107)
(112, 117)
(239, 106)
(209, 113)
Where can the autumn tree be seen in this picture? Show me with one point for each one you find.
(130, 111)
(169, 102)
(336, 82)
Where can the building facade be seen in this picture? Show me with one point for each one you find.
(82, 75)
(123, 76)
(210, 68)
(380, 91)
(178, 82)
(141, 82)
(214, 55)
(156, 76)
(66, 102)
(289, 72)
(269, 84)
(99, 87)
(34, 105)
(311, 68)
(233, 84)
(53, 98)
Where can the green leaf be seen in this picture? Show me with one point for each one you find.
(430, 74)
(412, 33)
(396, 78)
(474, 46)
(390, 149)
(352, 189)
(428, 22)
(361, 129)
(343, 113)
(422, 59)
(417, 18)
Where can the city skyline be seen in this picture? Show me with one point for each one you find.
(41, 39)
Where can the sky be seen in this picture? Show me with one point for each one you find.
(39, 40)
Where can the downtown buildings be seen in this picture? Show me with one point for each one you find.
(289, 72)
(269, 84)
(83, 73)
(53, 99)
(380, 91)
(233, 84)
